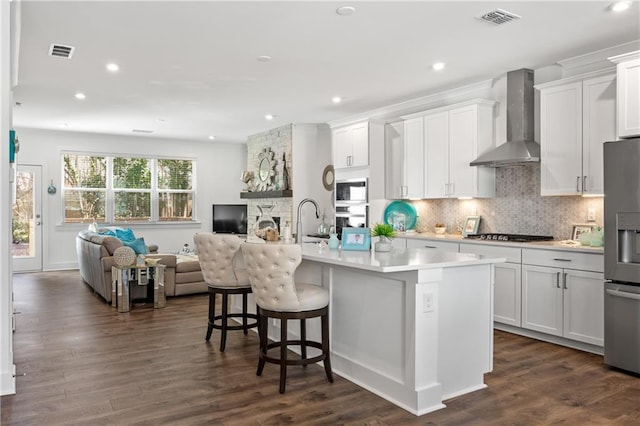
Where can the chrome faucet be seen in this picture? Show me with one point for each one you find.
(299, 222)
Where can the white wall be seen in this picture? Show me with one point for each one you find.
(218, 170)
(7, 381)
(311, 154)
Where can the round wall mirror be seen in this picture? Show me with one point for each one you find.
(328, 177)
(266, 169)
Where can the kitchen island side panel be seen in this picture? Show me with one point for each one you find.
(412, 337)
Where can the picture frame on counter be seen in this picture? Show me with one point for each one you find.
(580, 229)
(356, 239)
(471, 225)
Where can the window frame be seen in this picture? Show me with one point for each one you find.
(110, 190)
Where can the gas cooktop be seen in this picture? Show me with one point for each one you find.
(511, 237)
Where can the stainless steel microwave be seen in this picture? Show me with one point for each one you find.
(351, 191)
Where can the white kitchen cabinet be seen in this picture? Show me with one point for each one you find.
(507, 281)
(431, 244)
(576, 116)
(454, 137)
(628, 92)
(351, 146)
(394, 160)
(436, 155)
(404, 159)
(561, 301)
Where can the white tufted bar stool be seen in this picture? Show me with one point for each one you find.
(216, 253)
(271, 269)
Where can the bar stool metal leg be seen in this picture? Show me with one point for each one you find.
(225, 308)
(283, 353)
(245, 329)
(212, 313)
(325, 346)
(263, 324)
(303, 340)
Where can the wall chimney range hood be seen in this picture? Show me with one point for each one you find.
(520, 148)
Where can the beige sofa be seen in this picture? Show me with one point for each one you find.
(95, 259)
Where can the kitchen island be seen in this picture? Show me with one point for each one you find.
(414, 326)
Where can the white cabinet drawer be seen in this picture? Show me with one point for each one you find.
(513, 255)
(440, 245)
(564, 259)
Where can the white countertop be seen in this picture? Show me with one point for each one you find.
(544, 245)
(397, 260)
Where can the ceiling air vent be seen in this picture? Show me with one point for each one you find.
(499, 17)
(61, 50)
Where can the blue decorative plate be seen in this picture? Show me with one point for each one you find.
(401, 215)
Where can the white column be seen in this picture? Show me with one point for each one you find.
(7, 379)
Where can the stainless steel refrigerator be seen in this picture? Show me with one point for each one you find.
(622, 254)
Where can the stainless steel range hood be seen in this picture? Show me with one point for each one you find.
(520, 148)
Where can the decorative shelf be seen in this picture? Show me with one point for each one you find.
(268, 194)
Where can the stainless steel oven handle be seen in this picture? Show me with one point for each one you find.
(623, 294)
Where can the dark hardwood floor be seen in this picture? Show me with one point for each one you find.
(83, 363)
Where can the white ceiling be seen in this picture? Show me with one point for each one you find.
(189, 69)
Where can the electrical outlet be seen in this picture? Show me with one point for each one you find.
(474, 211)
(427, 302)
(591, 214)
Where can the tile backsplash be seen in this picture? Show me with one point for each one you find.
(517, 208)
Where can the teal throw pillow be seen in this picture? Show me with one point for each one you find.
(138, 245)
(106, 231)
(125, 234)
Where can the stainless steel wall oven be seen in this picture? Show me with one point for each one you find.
(352, 204)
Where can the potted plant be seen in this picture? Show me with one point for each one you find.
(440, 228)
(385, 232)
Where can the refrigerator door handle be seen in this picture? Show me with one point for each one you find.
(623, 294)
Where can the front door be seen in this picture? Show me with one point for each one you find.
(27, 220)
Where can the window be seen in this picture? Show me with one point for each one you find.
(127, 189)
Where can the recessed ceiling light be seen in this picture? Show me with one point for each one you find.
(269, 116)
(345, 10)
(80, 95)
(113, 67)
(212, 137)
(620, 6)
(438, 66)
(264, 58)
(336, 99)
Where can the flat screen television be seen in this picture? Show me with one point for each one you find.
(230, 218)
